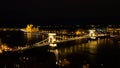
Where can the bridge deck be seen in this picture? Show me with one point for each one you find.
(45, 42)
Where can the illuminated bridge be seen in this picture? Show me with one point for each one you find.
(51, 41)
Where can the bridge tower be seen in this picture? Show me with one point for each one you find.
(52, 39)
(92, 34)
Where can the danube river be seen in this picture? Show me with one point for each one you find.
(99, 53)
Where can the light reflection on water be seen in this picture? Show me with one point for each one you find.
(32, 38)
(91, 49)
(90, 45)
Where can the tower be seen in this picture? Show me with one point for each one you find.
(52, 39)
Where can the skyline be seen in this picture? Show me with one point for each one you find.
(59, 26)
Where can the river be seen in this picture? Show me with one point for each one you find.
(99, 53)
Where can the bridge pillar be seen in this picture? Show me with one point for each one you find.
(52, 39)
(92, 34)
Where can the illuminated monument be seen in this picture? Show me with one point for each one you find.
(30, 28)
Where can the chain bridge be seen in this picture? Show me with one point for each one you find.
(51, 41)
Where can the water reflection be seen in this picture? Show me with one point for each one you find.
(34, 37)
(84, 53)
(90, 46)
(60, 61)
(29, 36)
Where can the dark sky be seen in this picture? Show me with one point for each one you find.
(59, 11)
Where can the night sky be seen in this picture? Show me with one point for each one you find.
(21, 12)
